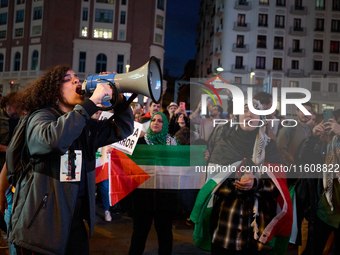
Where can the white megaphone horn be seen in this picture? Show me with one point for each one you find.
(146, 80)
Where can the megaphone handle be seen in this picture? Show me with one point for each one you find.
(107, 98)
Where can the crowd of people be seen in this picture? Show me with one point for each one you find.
(250, 214)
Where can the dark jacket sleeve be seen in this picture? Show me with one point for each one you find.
(48, 133)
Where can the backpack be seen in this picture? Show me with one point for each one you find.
(17, 155)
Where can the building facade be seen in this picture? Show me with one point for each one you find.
(291, 43)
(90, 36)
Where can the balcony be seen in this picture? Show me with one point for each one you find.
(296, 53)
(297, 31)
(242, 27)
(241, 48)
(219, 30)
(242, 5)
(218, 50)
(295, 73)
(220, 10)
(239, 69)
(298, 10)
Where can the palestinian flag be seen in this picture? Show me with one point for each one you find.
(103, 162)
(156, 167)
(276, 233)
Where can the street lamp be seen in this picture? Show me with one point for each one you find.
(251, 77)
(127, 68)
(219, 69)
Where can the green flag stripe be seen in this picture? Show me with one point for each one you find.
(164, 155)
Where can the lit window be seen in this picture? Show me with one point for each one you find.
(159, 22)
(102, 33)
(84, 32)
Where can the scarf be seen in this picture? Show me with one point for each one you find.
(332, 158)
(160, 138)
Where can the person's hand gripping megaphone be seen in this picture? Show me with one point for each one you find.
(104, 90)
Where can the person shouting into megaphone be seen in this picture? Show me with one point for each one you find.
(49, 211)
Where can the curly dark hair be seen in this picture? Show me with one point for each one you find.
(10, 99)
(43, 92)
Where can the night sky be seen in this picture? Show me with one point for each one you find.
(180, 34)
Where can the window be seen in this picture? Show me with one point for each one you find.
(320, 5)
(319, 24)
(159, 22)
(333, 87)
(3, 34)
(35, 58)
(333, 66)
(122, 17)
(264, 2)
(37, 13)
(298, 5)
(259, 81)
(240, 41)
(85, 13)
(335, 26)
(4, 3)
(158, 38)
(19, 32)
(276, 83)
(1, 62)
(277, 64)
(293, 84)
(20, 1)
(36, 30)
(82, 62)
(318, 46)
(122, 35)
(105, 1)
(160, 4)
(297, 25)
(102, 33)
(278, 43)
(279, 21)
(295, 64)
(261, 41)
(16, 62)
(336, 5)
(238, 80)
(280, 2)
(334, 48)
(123, 2)
(296, 46)
(317, 66)
(263, 20)
(104, 16)
(20, 16)
(260, 63)
(316, 86)
(84, 32)
(239, 62)
(241, 20)
(3, 18)
(101, 63)
(120, 63)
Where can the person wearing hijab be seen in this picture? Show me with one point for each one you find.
(153, 204)
(244, 214)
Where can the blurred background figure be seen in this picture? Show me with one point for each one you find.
(172, 107)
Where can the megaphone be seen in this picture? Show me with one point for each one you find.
(146, 80)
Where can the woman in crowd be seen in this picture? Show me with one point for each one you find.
(244, 216)
(48, 212)
(318, 193)
(153, 204)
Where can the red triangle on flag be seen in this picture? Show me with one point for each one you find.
(211, 83)
(125, 176)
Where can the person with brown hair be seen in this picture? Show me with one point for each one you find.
(59, 194)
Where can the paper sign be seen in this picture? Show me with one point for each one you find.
(128, 144)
